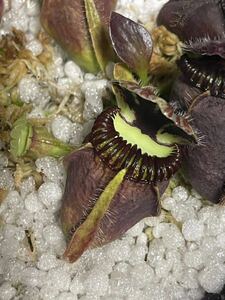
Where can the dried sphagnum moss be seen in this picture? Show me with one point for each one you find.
(16, 61)
(24, 169)
(167, 50)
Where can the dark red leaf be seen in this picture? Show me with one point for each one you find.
(132, 43)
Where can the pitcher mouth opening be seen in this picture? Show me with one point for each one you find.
(146, 161)
(205, 73)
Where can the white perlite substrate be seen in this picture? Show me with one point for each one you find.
(181, 261)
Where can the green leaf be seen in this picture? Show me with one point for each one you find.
(35, 141)
(21, 135)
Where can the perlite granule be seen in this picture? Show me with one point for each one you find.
(183, 259)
